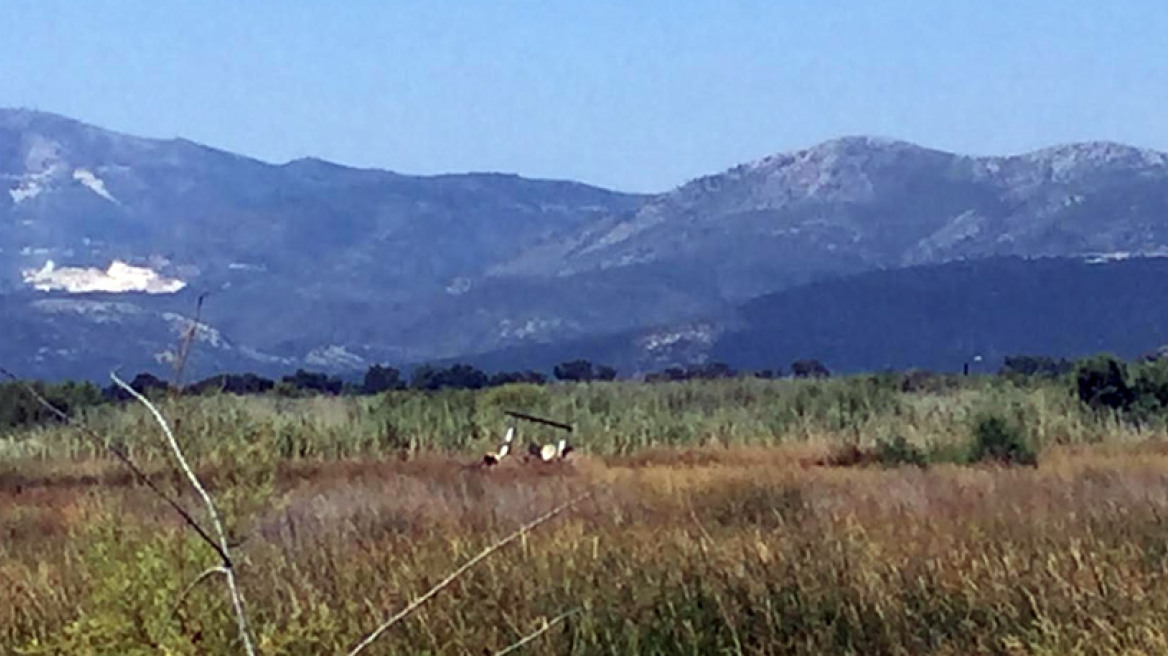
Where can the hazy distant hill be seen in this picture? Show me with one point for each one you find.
(316, 264)
(938, 317)
(933, 317)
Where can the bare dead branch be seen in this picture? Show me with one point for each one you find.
(184, 350)
(218, 569)
(538, 420)
(223, 549)
(463, 569)
(547, 625)
(139, 475)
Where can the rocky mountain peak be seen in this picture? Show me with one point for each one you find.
(1074, 161)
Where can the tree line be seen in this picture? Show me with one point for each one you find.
(1136, 390)
(19, 408)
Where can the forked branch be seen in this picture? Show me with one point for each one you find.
(223, 549)
(208, 573)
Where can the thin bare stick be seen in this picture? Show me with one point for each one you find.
(444, 583)
(537, 633)
(184, 349)
(194, 584)
(212, 512)
(139, 475)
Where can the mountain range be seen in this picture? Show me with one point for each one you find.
(108, 240)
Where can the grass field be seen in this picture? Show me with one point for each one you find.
(724, 519)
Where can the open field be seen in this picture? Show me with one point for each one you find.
(720, 522)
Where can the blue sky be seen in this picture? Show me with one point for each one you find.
(635, 94)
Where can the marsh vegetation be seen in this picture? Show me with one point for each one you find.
(867, 515)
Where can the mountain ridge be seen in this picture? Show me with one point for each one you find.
(843, 190)
(309, 256)
(9, 116)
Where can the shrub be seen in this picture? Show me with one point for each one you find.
(706, 371)
(379, 378)
(575, 371)
(530, 377)
(1101, 382)
(456, 376)
(582, 371)
(19, 408)
(899, 452)
(847, 455)
(1043, 366)
(996, 439)
(242, 384)
(809, 369)
(1149, 387)
(313, 381)
(669, 375)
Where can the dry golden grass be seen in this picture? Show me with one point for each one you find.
(683, 551)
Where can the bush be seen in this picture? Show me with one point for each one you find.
(19, 408)
(1139, 392)
(380, 379)
(809, 369)
(530, 377)
(312, 382)
(1101, 382)
(456, 376)
(1041, 366)
(706, 371)
(1149, 388)
(997, 440)
(241, 384)
(899, 452)
(583, 371)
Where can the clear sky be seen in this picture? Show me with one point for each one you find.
(633, 94)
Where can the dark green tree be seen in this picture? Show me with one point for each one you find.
(19, 408)
(577, 371)
(465, 376)
(513, 377)
(241, 384)
(710, 371)
(668, 375)
(380, 379)
(1150, 387)
(809, 368)
(313, 382)
(457, 376)
(1102, 382)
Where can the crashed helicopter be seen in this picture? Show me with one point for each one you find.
(535, 451)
